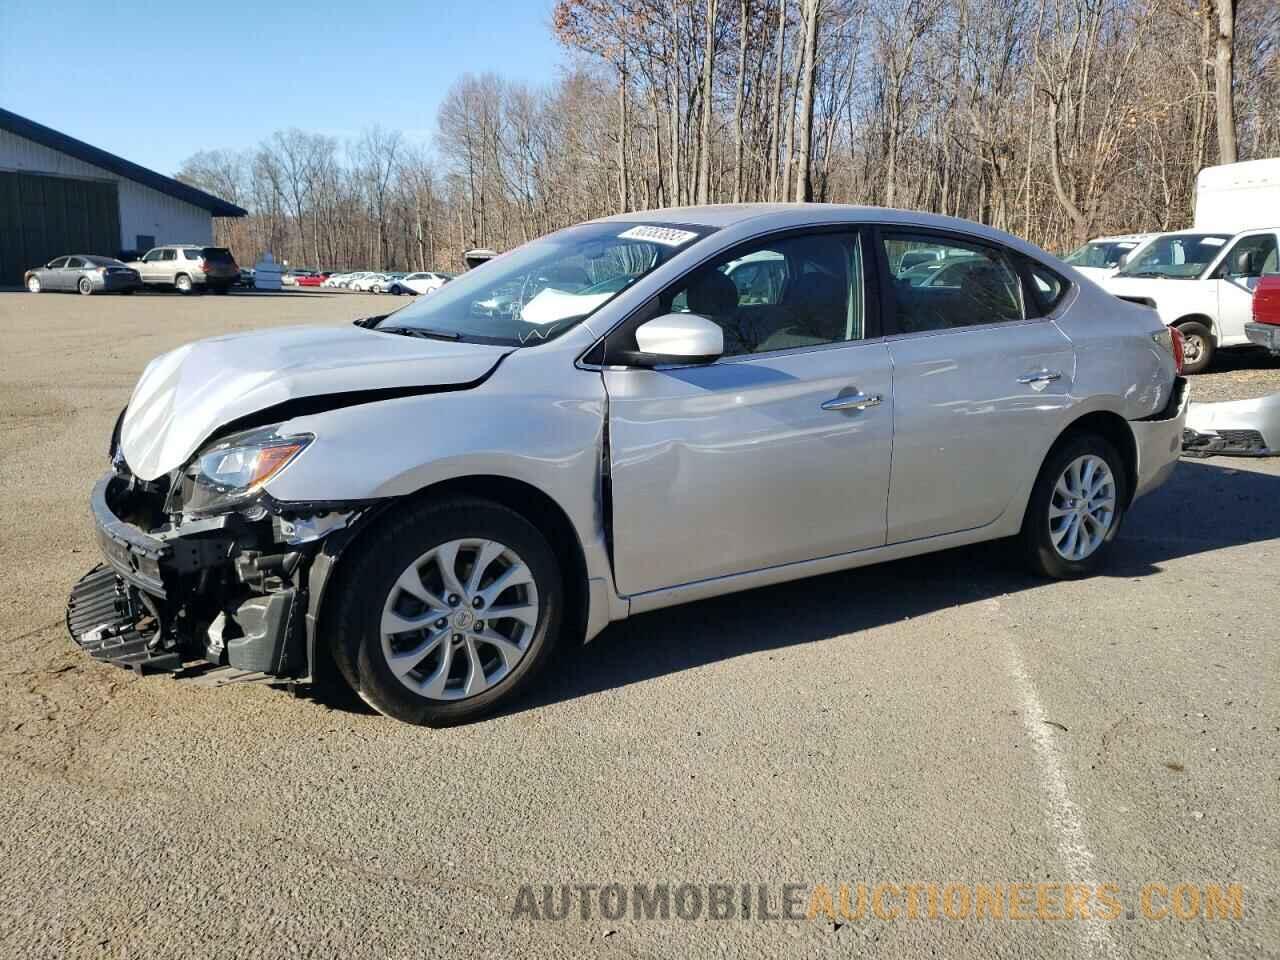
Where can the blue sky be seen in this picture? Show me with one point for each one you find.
(227, 74)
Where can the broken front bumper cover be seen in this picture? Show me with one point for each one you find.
(214, 593)
(1244, 428)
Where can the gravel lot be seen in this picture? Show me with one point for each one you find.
(935, 720)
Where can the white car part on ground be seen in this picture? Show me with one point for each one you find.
(1247, 428)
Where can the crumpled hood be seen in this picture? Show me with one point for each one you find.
(185, 395)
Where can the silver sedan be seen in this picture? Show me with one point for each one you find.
(667, 406)
(85, 274)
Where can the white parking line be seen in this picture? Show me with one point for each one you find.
(1094, 934)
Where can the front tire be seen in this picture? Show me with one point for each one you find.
(447, 613)
(1198, 347)
(1076, 508)
(33, 284)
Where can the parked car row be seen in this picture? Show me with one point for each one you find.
(185, 267)
(398, 283)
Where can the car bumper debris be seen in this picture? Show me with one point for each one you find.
(1246, 428)
(1264, 335)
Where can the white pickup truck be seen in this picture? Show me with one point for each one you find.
(1202, 280)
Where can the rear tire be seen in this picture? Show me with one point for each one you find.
(85, 286)
(397, 578)
(1084, 484)
(183, 283)
(1198, 348)
(33, 284)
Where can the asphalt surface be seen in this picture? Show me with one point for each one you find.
(945, 719)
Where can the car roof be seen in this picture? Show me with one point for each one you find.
(780, 216)
(1201, 233)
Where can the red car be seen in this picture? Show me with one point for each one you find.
(312, 279)
(1265, 329)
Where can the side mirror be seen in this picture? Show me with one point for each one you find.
(1242, 265)
(677, 338)
(1122, 261)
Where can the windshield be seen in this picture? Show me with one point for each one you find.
(1180, 256)
(540, 290)
(1100, 253)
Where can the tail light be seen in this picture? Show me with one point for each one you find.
(1179, 346)
(1170, 340)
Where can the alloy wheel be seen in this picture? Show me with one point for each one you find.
(1082, 507)
(459, 619)
(33, 284)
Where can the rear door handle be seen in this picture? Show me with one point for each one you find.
(853, 401)
(1041, 376)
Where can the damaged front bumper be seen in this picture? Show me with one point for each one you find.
(185, 598)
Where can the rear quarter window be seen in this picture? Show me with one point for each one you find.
(1045, 288)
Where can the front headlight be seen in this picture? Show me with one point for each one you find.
(230, 474)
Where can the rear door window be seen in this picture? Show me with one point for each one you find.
(75, 263)
(958, 284)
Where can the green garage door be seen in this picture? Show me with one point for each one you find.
(46, 217)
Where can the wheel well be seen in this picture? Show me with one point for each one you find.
(536, 507)
(1116, 430)
(1197, 318)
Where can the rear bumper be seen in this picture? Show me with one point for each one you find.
(1159, 440)
(1264, 335)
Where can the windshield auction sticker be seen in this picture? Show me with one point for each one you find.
(667, 236)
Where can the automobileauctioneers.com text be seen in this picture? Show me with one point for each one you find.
(882, 901)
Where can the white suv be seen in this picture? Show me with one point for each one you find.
(188, 266)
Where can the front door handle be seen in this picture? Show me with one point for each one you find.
(1041, 376)
(853, 401)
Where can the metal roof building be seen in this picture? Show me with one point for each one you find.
(59, 195)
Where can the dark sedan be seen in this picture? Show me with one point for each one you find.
(84, 273)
